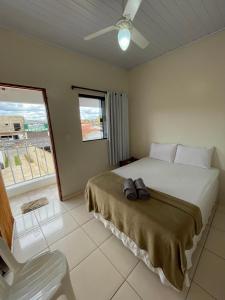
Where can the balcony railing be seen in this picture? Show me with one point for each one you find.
(25, 159)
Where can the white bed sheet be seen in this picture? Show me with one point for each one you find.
(192, 184)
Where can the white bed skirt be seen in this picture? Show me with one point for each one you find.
(143, 255)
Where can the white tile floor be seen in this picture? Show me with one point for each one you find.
(101, 267)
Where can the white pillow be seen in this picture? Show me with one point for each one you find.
(195, 156)
(164, 152)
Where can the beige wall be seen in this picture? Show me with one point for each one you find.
(21, 95)
(180, 98)
(28, 61)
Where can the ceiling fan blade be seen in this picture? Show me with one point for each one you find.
(131, 8)
(139, 39)
(100, 32)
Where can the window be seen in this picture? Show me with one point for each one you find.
(17, 126)
(92, 117)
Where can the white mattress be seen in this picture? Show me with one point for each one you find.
(193, 184)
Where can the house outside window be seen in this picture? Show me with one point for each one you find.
(92, 117)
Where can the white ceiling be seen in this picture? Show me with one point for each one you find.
(167, 24)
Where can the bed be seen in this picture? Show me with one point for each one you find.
(195, 185)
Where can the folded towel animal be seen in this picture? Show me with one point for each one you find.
(129, 189)
(142, 190)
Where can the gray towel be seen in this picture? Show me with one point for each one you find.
(129, 189)
(142, 190)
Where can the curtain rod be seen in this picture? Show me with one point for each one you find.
(87, 89)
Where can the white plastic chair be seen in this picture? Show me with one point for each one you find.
(44, 277)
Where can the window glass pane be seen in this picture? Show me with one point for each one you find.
(91, 118)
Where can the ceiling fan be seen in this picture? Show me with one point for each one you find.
(125, 28)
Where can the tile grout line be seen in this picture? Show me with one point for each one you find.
(82, 223)
(216, 228)
(125, 278)
(98, 247)
(66, 235)
(140, 261)
(76, 219)
(35, 227)
(57, 215)
(202, 250)
(42, 233)
(61, 202)
(69, 209)
(79, 227)
(51, 218)
(92, 251)
(133, 289)
(192, 279)
(204, 290)
(209, 250)
(16, 235)
(118, 288)
(43, 251)
(40, 225)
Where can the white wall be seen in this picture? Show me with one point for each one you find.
(180, 98)
(28, 61)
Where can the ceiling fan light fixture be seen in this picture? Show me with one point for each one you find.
(124, 37)
(125, 28)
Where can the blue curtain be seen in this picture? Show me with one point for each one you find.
(117, 126)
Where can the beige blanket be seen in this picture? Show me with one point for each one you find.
(162, 225)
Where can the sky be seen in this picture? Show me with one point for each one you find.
(34, 112)
(89, 112)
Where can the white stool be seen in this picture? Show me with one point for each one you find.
(43, 277)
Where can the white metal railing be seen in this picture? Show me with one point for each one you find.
(25, 159)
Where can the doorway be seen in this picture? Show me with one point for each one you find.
(27, 151)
